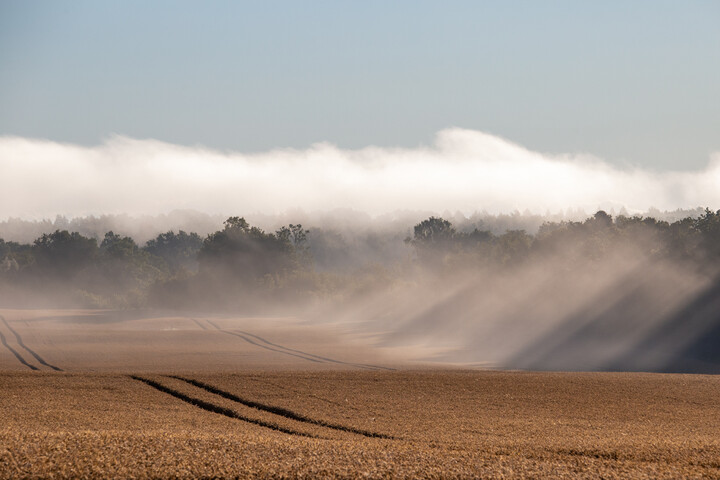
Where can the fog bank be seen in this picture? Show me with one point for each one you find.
(464, 170)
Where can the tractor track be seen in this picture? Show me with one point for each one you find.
(199, 324)
(252, 342)
(280, 411)
(274, 347)
(359, 365)
(17, 355)
(211, 407)
(30, 351)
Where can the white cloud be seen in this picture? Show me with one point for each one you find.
(464, 170)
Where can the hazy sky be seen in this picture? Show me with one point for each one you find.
(632, 82)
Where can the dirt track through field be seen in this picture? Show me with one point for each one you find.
(31, 352)
(291, 351)
(283, 412)
(211, 407)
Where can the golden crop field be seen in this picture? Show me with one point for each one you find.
(168, 397)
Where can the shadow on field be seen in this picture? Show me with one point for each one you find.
(688, 341)
(626, 336)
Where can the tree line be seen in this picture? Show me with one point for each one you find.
(240, 263)
(690, 239)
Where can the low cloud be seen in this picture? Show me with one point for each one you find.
(463, 170)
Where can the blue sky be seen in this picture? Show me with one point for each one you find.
(633, 82)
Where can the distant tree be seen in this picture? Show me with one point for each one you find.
(683, 240)
(8, 264)
(124, 266)
(236, 224)
(708, 225)
(63, 252)
(433, 240)
(513, 246)
(115, 246)
(433, 231)
(297, 236)
(480, 236)
(601, 219)
(179, 250)
(15, 257)
(245, 253)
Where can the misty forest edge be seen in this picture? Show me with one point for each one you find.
(240, 261)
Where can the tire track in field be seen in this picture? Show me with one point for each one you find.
(252, 342)
(31, 352)
(291, 351)
(199, 324)
(360, 365)
(211, 407)
(280, 411)
(17, 355)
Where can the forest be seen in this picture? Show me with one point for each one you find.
(243, 266)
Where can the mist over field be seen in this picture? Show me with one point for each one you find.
(354, 238)
(599, 293)
(463, 170)
(473, 250)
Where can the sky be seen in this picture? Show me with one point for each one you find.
(631, 84)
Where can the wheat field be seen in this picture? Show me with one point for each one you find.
(362, 417)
